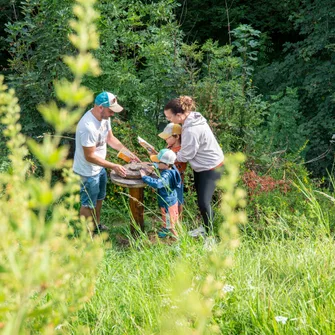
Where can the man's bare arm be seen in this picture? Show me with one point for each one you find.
(117, 145)
(91, 157)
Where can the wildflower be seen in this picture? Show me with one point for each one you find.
(228, 288)
(281, 319)
(189, 290)
(252, 287)
(179, 323)
(59, 327)
(166, 302)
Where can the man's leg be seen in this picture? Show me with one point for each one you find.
(88, 197)
(92, 193)
(86, 212)
(98, 210)
(100, 198)
(89, 213)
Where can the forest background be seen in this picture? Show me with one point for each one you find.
(262, 73)
(274, 56)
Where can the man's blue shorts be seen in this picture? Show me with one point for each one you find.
(93, 189)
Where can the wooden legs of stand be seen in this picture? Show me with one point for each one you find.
(137, 210)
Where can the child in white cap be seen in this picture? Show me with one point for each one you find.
(167, 184)
(172, 136)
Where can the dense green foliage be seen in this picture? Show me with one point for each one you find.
(216, 18)
(262, 74)
(9, 12)
(37, 44)
(307, 67)
(297, 53)
(145, 61)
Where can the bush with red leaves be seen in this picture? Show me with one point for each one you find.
(258, 184)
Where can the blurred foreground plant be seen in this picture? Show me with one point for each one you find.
(45, 275)
(197, 297)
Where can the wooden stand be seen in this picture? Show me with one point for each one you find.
(136, 207)
(136, 199)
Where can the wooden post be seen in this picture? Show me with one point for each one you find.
(137, 209)
(136, 194)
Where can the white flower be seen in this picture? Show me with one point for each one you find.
(189, 290)
(228, 288)
(179, 323)
(252, 287)
(281, 319)
(59, 327)
(166, 302)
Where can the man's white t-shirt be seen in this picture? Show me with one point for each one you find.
(90, 132)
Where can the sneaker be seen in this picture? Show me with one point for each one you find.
(164, 232)
(210, 243)
(197, 232)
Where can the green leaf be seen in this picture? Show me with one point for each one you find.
(72, 94)
(47, 153)
(60, 119)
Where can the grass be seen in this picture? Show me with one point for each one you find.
(290, 278)
(282, 281)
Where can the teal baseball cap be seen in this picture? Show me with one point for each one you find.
(107, 99)
(166, 156)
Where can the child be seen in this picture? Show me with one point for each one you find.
(167, 184)
(172, 136)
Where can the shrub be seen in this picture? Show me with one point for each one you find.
(46, 275)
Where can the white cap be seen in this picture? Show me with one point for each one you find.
(166, 156)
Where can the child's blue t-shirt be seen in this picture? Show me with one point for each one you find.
(166, 185)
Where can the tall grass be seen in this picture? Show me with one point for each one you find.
(276, 285)
(294, 279)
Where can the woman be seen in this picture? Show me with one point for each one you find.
(200, 148)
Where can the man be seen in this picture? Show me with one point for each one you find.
(93, 133)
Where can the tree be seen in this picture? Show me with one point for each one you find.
(10, 12)
(307, 66)
(38, 42)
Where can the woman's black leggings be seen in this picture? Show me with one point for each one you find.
(205, 183)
